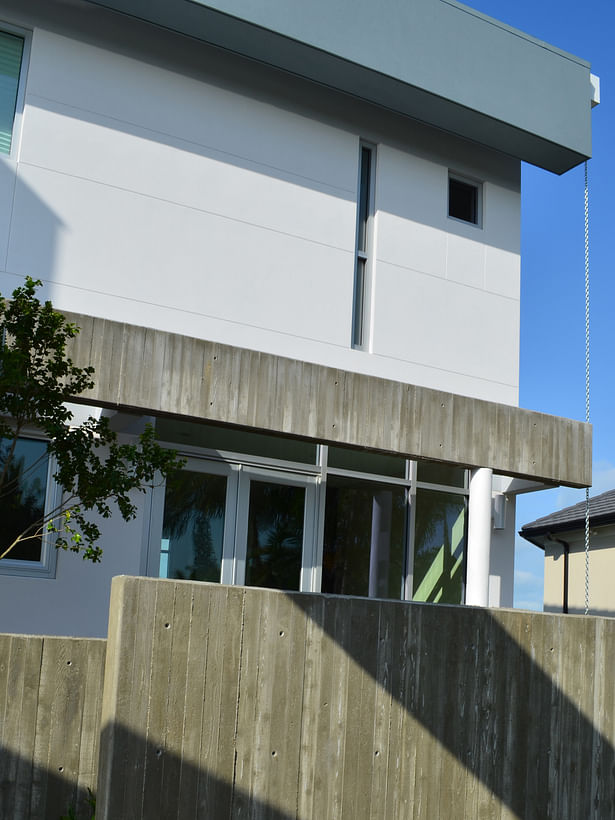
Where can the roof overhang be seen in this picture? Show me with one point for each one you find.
(436, 61)
(538, 535)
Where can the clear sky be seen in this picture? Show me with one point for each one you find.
(552, 268)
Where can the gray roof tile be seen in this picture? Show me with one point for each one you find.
(601, 509)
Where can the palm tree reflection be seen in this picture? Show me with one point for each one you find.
(194, 525)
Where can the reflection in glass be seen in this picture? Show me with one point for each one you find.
(363, 551)
(275, 535)
(193, 526)
(22, 500)
(439, 547)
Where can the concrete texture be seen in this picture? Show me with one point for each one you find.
(232, 702)
(50, 700)
(157, 372)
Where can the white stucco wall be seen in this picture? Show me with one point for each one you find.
(168, 197)
(163, 185)
(76, 600)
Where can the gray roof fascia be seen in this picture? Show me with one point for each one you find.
(436, 61)
(601, 511)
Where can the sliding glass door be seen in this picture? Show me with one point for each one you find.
(238, 525)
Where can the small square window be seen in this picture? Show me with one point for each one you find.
(464, 200)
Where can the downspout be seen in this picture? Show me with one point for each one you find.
(566, 554)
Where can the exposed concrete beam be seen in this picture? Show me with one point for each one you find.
(157, 372)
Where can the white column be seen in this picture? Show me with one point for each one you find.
(479, 538)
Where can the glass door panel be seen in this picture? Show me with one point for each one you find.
(364, 539)
(193, 526)
(439, 547)
(274, 544)
(275, 535)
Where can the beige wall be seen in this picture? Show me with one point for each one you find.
(601, 572)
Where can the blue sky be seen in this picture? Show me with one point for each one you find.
(552, 273)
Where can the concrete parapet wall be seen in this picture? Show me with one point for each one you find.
(159, 372)
(231, 702)
(237, 702)
(50, 700)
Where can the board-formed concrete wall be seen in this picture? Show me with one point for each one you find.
(50, 699)
(231, 702)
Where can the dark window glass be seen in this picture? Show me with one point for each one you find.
(434, 472)
(364, 195)
(275, 535)
(359, 306)
(463, 200)
(359, 320)
(363, 552)
(439, 547)
(193, 526)
(22, 499)
(347, 458)
(235, 441)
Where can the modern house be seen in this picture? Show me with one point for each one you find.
(562, 537)
(290, 236)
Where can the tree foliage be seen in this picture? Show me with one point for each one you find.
(94, 470)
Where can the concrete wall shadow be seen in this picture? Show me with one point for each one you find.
(32, 792)
(484, 683)
(17, 238)
(329, 706)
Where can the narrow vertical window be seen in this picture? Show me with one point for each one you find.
(360, 329)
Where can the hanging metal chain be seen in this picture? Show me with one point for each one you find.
(586, 383)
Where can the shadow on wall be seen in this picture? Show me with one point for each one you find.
(18, 239)
(274, 705)
(248, 78)
(32, 792)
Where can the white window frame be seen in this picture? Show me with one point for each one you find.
(474, 183)
(239, 476)
(241, 469)
(249, 474)
(46, 566)
(197, 465)
(21, 87)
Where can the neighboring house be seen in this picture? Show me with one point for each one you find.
(562, 537)
(290, 234)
